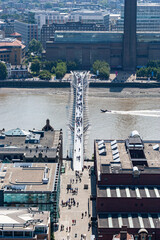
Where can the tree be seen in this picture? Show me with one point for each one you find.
(103, 68)
(47, 65)
(53, 70)
(61, 69)
(158, 74)
(35, 46)
(71, 66)
(35, 66)
(141, 72)
(45, 75)
(3, 71)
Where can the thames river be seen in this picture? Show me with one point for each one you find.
(131, 110)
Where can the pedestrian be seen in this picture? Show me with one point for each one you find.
(85, 213)
(69, 229)
(82, 215)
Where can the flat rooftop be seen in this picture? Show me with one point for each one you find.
(14, 141)
(128, 192)
(27, 177)
(131, 220)
(23, 218)
(109, 163)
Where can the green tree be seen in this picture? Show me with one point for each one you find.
(104, 72)
(35, 46)
(61, 69)
(53, 70)
(103, 68)
(35, 66)
(71, 66)
(45, 75)
(47, 65)
(141, 72)
(3, 71)
(158, 74)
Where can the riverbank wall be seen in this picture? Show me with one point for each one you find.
(33, 84)
(59, 84)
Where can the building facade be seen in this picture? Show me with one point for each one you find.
(27, 31)
(24, 223)
(127, 187)
(31, 185)
(12, 51)
(148, 17)
(17, 145)
(48, 31)
(87, 47)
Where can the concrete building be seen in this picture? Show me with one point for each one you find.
(12, 51)
(28, 31)
(17, 145)
(148, 17)
(31, 185)
(128, 189)
(24, 223)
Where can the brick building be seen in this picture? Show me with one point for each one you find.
(121, 50)
(48, 30)
(12, 51)
(128, 189)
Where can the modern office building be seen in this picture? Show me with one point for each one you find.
(31, 185)
(17, 145)
(128, 189)
(148, 17)
(12, 51)
(24, 223)
(27, 31)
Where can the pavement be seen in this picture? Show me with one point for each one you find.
(79, 230)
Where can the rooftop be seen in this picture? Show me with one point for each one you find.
(28, 177)
(131, 220)
(10, 42)
(114, 156)
(29, 143)
(22, 218)
(129, 192)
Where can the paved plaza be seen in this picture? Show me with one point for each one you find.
(75, 205)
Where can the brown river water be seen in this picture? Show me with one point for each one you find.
(132, 109)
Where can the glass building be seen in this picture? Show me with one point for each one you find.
(31, 185)
(148, 17)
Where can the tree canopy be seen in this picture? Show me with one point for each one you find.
(35, 66)
(45, 75)
(102, 68)
(35, 46)
(3, 71)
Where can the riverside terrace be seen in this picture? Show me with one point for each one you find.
(128, 188)
(31, 185)
(44, 145)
